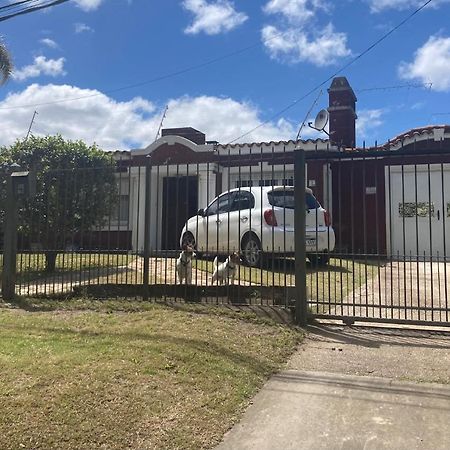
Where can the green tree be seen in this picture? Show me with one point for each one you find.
(75, 190)
(6, 65)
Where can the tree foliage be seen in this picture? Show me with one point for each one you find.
(75, 190)
(6, 65)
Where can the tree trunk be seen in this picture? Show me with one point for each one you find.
(50, 260)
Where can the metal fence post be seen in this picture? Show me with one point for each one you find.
(301, 307)
(147, 209)
(10, 243)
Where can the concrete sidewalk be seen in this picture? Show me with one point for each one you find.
(354, 388)
(322, 410)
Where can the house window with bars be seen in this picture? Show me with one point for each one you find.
(121, 210)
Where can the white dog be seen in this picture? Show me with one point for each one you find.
(226, 271)
(184, 264)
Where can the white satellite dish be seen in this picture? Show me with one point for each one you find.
(321, 120)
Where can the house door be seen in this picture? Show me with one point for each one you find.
(179, 203)
(418, 206)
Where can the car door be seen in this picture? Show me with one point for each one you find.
(213, 236)
(237, 222)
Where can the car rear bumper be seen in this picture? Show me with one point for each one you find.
(278, 240)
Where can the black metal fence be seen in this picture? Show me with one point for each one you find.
(221, 227)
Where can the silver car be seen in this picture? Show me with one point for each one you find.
(259, 221)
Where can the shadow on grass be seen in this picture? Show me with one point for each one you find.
(204, 346)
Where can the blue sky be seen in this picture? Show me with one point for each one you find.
(72, 61)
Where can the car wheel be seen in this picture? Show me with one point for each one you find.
(251, 251)
(318, 260)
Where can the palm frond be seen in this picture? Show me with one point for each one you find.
(6, 64)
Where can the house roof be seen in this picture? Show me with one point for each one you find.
(435, 133)
(275, 143)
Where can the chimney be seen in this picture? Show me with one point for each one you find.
(342, 106)
(189, 133)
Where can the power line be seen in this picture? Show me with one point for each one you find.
(398, 86)
(345, 66)
(151, 80)
(213, 61)
(28, 9)
(16, 5)
(307, 115)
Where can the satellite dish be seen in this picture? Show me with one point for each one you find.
(321, 120)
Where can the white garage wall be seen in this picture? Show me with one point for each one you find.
(418, 210)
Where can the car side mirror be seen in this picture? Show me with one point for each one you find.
(201, 212)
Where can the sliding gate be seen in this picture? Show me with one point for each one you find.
(391, 219)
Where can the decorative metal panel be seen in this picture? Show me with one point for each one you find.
(422, 209)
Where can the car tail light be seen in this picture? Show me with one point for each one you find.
(269, 217)
(327, 218)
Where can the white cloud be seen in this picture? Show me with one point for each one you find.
(121, 125)
(224, 119)
(82, 27)
(41, 66)
(368, 121)
(88, 5)
(297, 11)
(296, 45)
(297, 37)
(431, 64)
(213, 17)
(49, 43)
(377, 6)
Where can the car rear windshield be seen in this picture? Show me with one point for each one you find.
(285, 199)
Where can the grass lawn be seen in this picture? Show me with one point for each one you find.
(88, 374)
(31, 266)
(336, 280)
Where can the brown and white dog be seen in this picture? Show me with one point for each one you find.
(184, 264)
(226, 271)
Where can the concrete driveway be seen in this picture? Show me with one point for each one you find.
(328, 398)
(418, 290)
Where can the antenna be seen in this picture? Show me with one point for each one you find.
(31, 124)
(320, 122)
(162, 120)
(307, 114)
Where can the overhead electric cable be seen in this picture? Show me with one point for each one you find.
(151, 80)
(28, 9)
(345, 66)
(398, 86)
(15, 5)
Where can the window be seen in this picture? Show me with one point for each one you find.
(423, 209)
(243, 200)
(220, 205)
(121, 210)
(268, 183)
(285, 199)
(244, 183)
(311, 202)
